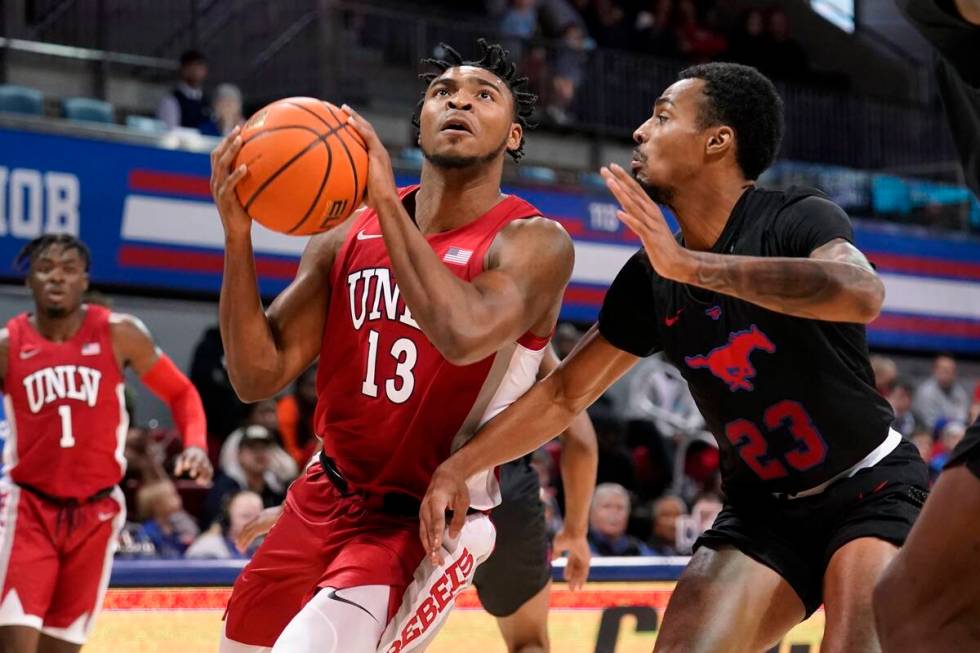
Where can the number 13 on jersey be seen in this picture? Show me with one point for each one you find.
(399, 388)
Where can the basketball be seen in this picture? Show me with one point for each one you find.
(307, 169)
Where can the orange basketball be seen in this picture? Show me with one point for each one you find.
(307, 169)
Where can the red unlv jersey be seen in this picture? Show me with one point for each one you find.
(66, 408)
(390, 407)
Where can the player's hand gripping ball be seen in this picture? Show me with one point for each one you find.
(307, 168)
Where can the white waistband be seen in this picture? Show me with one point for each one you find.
(888, 445)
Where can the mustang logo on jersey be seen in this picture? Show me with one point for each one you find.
(62, 382)
(383, 298)
(730, 362)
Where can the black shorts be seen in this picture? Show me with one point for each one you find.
(967, 452)
(797, 537)
(520, 565)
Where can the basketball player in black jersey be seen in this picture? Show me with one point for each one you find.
(929, 598)
(761, 302)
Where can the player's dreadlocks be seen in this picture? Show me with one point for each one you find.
(494, 58)
(27, 256)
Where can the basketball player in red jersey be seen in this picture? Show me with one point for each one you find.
(62, 370)
(429, 311)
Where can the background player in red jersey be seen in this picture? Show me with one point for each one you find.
(760, 301)
(429, 312)
(62, 370)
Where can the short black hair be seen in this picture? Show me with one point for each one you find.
(33, 249)
(745, 100)
(494, 58)
(188, 57)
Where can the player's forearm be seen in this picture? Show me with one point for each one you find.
(251, 353)
(834, 291)
(579, 460)
(439, 300)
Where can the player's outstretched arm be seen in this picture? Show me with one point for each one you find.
(579, 461)
(836, 283)
(266, 350)
(543, 412)
(530, 265)
(134, 346)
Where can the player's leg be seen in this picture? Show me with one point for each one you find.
(847, 590)
(28, 569)
(348, 620)
(929, 597)
(726, 601)
(526, 631)
(86, 563)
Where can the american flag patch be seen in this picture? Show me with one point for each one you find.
(458, 256)
(91, 349)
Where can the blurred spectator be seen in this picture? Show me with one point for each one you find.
(749, 44)
(666, 511)
(518, 25)
(226, 111)
(949, 435)
(652, 30)
(940, 396)
(165, 524)
(296, 412)
(186, 105)
(544, 465)
(615, 460)
(786, 58)
(253, 472)
(901, 401)
(552, 514)
(607, 24)
(566, 337)
(222, 408)
(262, 413)
(144, 457)
(696, 40)
(885, 372)
(923, 441)
(567, 73)
(975, 408)
(219, 540)
(607, 523)
(705, 510)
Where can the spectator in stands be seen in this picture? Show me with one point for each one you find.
(552, 514)
(615, 459)
(949, 434)
(607, 523)
(885, 372)
(749, 43)
(940, 396)
(696, 40)
(705, 510)
(607, 24)
(924, 442)
(901, 401)
(653, 32)
(569, 62)
(218, 542)
(186, 105)
(296, 418)
(165, 523)
(254, 472)
(666, 512)
(222, 408)
(566, 337)
(226, 111)
(518, 25)
(263, 413)
(786, 58)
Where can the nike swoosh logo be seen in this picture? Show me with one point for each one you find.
(332, 594)
(671, 321)
(30, 353)
(363, 236)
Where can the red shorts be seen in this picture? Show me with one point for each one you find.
(55, 561)
(322, 539)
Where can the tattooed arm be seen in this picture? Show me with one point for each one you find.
(836, 283)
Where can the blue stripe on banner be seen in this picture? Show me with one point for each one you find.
(913, 241)
(922, 341)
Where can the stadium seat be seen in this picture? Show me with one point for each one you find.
(145, 124)
(21, 99)
(87, 109)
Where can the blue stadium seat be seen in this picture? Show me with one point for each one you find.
(87, 109)
(145, 124)
(21, 99)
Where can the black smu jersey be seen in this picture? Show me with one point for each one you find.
(791, 401)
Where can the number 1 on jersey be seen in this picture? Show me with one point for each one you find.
(405, 354)
(67, 439)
